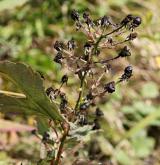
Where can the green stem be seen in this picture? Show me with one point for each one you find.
(105, 35)
(81, 91)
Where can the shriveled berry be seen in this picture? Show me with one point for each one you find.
(110, 87)
(127, 19)
(64, 79)
(58, 45)
(62, 95)
(98, 112)
(83, 121)
(45, 136)
(105, 21)
(89, 96)
(49, 90)
(132, 36)
(63, 104)
(85, 15)
(84, 106)
(124, 52)
(75, 15)
(89, 22)
(58, 58)
(96, 125)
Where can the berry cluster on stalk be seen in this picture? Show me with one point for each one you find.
(101, 34)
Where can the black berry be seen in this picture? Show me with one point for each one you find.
(110, 87)
(98, 112)
(75, 15)
(124, 52)
(64, 79)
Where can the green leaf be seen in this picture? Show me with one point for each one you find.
(122, 157)
(142, 150)
(42, 126)
(150, 90)
(150, 119)
(31, 84)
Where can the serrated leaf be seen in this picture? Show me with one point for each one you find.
(31, 84)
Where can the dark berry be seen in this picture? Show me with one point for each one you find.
(64, 79)
(127, 73)
(45, 136)
(75, 15)
(137, 21)
(127, 19)
(58, 45)
(49, 90)
(128, 70)
(132, 36)
(83, 121)
(84, 106)
(96, 125)
(98, 112)
(34, 131)
(58, 58)
(89, 22)
(124, 52)
(85, 15)
(110, 87)
(89, 96)
(63, 104)
(62, 95)
(105, 21)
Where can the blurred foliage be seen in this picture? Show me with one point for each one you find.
(131, 122)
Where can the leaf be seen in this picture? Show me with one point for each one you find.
(151, 118)
(122, 157)
(31, 84)
(150, 90)
(42, 126)
(142, 150)
(11, 4)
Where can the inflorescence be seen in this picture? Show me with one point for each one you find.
(101, 34)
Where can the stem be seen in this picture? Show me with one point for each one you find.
(105, 35)
(66, 130)
(81, 91)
